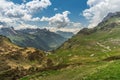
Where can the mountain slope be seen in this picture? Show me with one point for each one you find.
(98, 42)
(38, 38)
(16, 61)
(91, 54)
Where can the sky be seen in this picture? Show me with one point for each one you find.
(64, 15)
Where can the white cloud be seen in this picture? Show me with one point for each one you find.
(99, 9)
(55, 9)
(19, 15)
(59, 20)
(11, 12)
(24, 26)
(66, 29)
(35, 5)
(62, 22)
(71, 27)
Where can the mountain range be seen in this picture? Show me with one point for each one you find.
(39, 38)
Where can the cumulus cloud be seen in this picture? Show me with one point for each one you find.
(73, 27)
(62, 22)
(59, 20)
(37, 5)
(21, 16)
(24, 26)
(11, 12)
(99, 9)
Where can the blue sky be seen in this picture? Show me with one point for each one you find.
(64, 15)
(76, 8)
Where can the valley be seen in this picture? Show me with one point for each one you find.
(38, 38)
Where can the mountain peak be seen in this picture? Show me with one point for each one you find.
(110, 21)
(111, 15)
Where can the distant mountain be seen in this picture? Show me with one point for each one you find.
(39, 38)
(65, 34)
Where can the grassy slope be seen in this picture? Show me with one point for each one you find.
(90, 50)
(91, 71)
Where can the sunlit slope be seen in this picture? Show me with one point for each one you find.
(16, 62)
(91, 44)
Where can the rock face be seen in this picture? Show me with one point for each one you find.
(39, 38)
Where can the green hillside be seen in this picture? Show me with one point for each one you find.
(91, 44)
(92, 54)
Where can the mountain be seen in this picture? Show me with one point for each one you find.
(39, 38)
(110, 15)
(16, 62)
(92, 54)
(65, 34)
